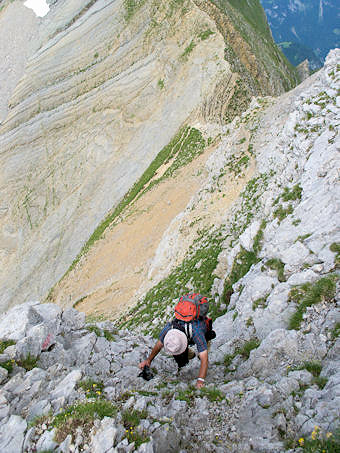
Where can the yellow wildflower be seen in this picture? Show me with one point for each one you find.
(98, 393)
(301, 441)
(328, 435)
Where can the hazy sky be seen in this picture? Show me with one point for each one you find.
(40, 7)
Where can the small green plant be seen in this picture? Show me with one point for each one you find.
(228, 358)
(94, 329)
(81, 415)
(132, 418)
(335, 332)
(109, 335)
(309, 294)
(5, 344)
(278, 266)
(28, 363)
(167, 395)
(294, 194)
(281, 213)
(188, 50)
(249, 322)
(318, 442)
(245, 350)
(320, 381)
(335, 248)
(147, 393)
(138, 438)
(187, 395)
(205, 34)
(131, 7)
(92, 388)
(261, 302)
(160, 84)
(212, 393)
(96, 55)
(313, 367)
(8, 365)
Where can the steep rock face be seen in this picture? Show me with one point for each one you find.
(85, 121)
(15, 47)
(110, 85)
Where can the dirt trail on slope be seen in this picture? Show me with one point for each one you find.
(106, 281)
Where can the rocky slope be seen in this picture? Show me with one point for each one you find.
(111, 83)
(272, 266)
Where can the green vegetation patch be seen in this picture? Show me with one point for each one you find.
(94, 329)
(335, 332)
(205, 34)
(278, 266)
(212, 393)
(317, 442)
(132, 418)
(4, 344)
(188, 50)
(282, 212)
(335, 248)
(187, 395)
(92, 388)
(81, 415)
(292, 194)
(309, 294)
(196, 271)
(8, 365)
(131, 7)
(28, 362)
(246, 349)
(261, 302)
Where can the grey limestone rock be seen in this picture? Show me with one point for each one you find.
(4, 406)
(146, 447)
(12, 434)
(166, 439)
(3, 375)
(15, 323)
(104, 439)
(37, 409)
(46, 441)
(72, 320)
(67, 385)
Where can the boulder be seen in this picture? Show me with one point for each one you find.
(16, 322)
(104, 439)
(67, 385)
(12, 435)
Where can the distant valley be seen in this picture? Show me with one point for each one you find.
(304, 29)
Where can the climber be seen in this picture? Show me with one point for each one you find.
(190, 326)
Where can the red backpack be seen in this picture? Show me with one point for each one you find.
(191, 307)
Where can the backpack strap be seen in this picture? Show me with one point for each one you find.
(186, 327)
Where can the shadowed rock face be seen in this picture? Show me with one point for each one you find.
(107, 89)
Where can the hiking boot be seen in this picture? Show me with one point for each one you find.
(191, 354)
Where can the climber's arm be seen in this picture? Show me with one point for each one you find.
(158, 346)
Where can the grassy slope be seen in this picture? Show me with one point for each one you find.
(250, 20)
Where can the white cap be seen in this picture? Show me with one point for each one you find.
(175, 342)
